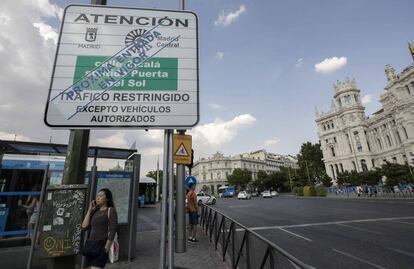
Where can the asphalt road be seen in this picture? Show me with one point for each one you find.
(332, 233)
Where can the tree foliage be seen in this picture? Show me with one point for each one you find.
(396, 173)
(240, 178)
(310, 160)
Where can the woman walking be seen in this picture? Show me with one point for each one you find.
(32, 211)
(102, 221)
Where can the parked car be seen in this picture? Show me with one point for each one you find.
(244, 195)
(274, 193)
(204, 198)
(266, 194)
(255, 194)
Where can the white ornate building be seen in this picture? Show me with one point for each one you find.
(352, 141)
(212, 172)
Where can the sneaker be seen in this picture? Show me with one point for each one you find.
(194, 240)
(190, 239)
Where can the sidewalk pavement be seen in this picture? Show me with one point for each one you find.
(380, 196)
(199, 255)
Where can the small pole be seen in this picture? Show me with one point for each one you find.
(180, 231)
(307, 169)
(170, 201)
(157, 192)
(164, 202)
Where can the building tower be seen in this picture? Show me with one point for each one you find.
(343, 131)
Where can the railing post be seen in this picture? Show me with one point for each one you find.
(233, 233)
(240, 253)
(218, 233)
(272, 262)
(264, 258)
(224, 238)
(213, 225)
(248, 250)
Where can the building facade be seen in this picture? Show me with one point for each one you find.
(212, 172)
(352, 141)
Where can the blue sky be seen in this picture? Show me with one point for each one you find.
(258, 83)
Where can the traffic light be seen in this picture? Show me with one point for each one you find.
(190, 166)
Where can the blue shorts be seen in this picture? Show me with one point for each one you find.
(193, 217)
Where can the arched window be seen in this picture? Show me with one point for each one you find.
(332, 170)
(379, 143)
(405, 132)
(389, 141)
(354, 165)
(333, 152)
(364, 165)
(336, 169)
(397, 134)
(342, 167)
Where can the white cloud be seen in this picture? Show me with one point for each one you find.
(227, 19)
(117, 140)
(299, 63)
(330, 65)
(47, 9)
(27, 62)
(4, 19)
(220, 132)
(8, 136)
(46, 31)
(366, 99)
(220, 55)
(216, 106)
(272, 142)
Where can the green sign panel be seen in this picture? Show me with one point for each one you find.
(156, 74)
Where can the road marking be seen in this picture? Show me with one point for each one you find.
(404, 222)
(409, 254)
(358, 259)
(328, 223)
(292, 233)
(360, 229)
(240, 206)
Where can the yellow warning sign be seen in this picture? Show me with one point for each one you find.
(182, 149)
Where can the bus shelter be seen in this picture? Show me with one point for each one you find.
(22, 169)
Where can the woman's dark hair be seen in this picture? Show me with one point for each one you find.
(109, 198)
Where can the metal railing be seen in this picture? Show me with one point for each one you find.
(242, 247)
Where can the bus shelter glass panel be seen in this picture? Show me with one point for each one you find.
(119, 183)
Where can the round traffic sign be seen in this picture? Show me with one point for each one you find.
(188, 180)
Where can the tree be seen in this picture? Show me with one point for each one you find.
(240, 177)
(395, 173)
(326, 180)
(310, 161)
(262, 181)
(153, 174)
(279, 180)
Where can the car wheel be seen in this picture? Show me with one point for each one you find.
(213, 202)
(200, 202)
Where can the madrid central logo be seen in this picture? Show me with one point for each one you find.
(134, 35)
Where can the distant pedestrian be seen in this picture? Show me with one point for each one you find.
(102, 221)
(192, 213)
(32, 211)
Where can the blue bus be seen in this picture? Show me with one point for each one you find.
(226, 191)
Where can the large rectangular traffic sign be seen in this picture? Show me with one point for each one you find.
(125, 67)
